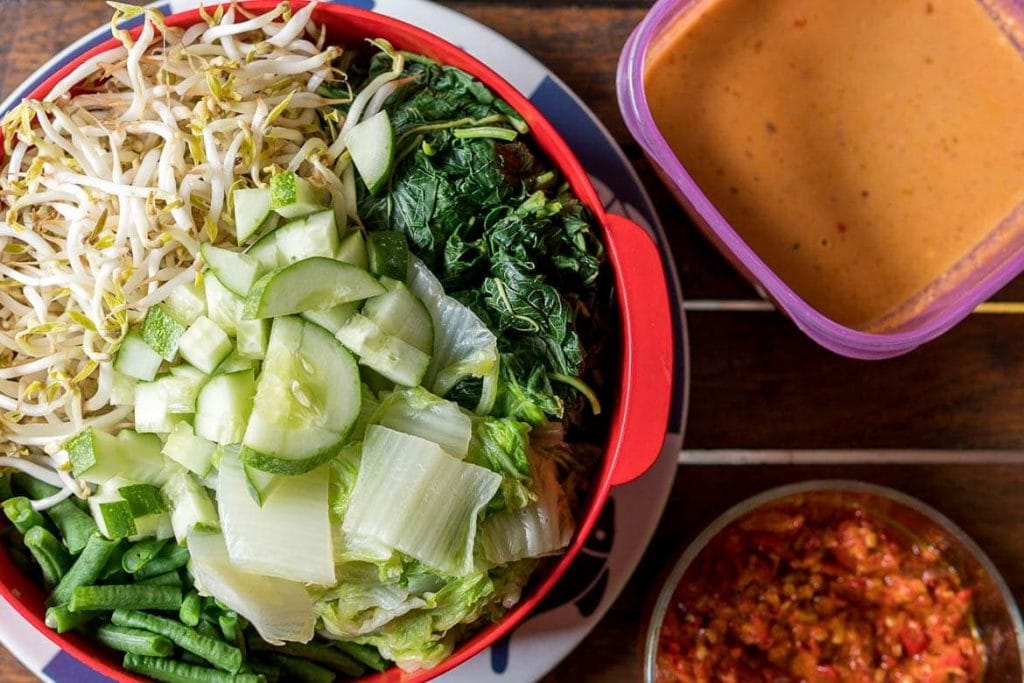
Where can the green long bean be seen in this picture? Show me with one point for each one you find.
(21, 513)
(191, 609)
(168, 579)
(220, 654)
(5, 487)
(138, 555)
(86, 569)
(61, 619)
(112, 572)
(314, 652)
(49, 554)
(125, 596)
(76, 526)
(302, 670)
(171, 558)
(134, 641)
(32, 487)
(366, 655)
(173, 671)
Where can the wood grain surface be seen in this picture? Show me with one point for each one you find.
(757, 382)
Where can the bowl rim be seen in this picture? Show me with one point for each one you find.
(694, 548)
(830, 334)
(552, 146)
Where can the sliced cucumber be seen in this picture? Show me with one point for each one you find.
(252, 208)
(313, 284)
(143, 499)
(234, 270)
(136, 358)
(261, 484)
(152, 412)
(223, 306)
(314, 235)
(224, 405)
(292, 196)
(372, 146)
(204, 344)
(400, 362)
(388, 254)
(186, 303)
(251, 338)
(352, 249)
(307, 399)
(192, 452)
(333, 318)
(122, 391)
(161, 331)
(191, 506)
(235, 363)
(98, 457)
(400, 313)
(112, 513)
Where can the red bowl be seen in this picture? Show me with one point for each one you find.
(640, 417)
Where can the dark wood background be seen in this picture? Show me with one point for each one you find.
(757, 382)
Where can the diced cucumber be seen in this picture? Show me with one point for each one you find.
(97, 456)
(307, 399)
(234, 363)
(234, 270)
(112, 514)
(223, 306)
(224, 405)
(161, 331)
(313, 284)
(251, 338)
(191, 506)
(143, 499)
(400, 362)
(136, 358)
(122, 391)
(158, 526)
(261, 484)
(372, 146)
(292, 196)
(314, 235)
(180, 390)
(353, 250)
(189, 372)
(400, 313)
(388, 254)
(152, 411)
(190, 451)
(333, 318)
(204, 344)
(186, 303)
(252, 208)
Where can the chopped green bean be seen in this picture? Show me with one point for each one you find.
(21, 513)
(303, 671)
(125, 596)
(75, 526)
(112, 572)
(191, 609)
(32, 487)
(171, 558)
(134, 641)
(271, 671)
(173, 671)
(228, 624)
(49, 553)
(366, 655)
(5, 487)
(86, 569)
(168, 579)
(221, 655)
(209, 629)
(136, 556)
(61, 619)
(315, 652)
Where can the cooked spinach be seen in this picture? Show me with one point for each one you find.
(489, 220)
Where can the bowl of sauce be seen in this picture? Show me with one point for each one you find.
(834, 581)
(862, 162)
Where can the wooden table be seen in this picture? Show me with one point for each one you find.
(757, 382)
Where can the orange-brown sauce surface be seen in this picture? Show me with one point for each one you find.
(862, 147)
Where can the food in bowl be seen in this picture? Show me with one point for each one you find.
(313, 333)
(833, 581)
(862, 150)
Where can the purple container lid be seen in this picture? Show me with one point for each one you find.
(992, 264)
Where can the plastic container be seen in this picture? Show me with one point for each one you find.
(944, 303)
(997, 616)
(639, 415)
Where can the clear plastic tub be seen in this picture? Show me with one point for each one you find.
(996, 260)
